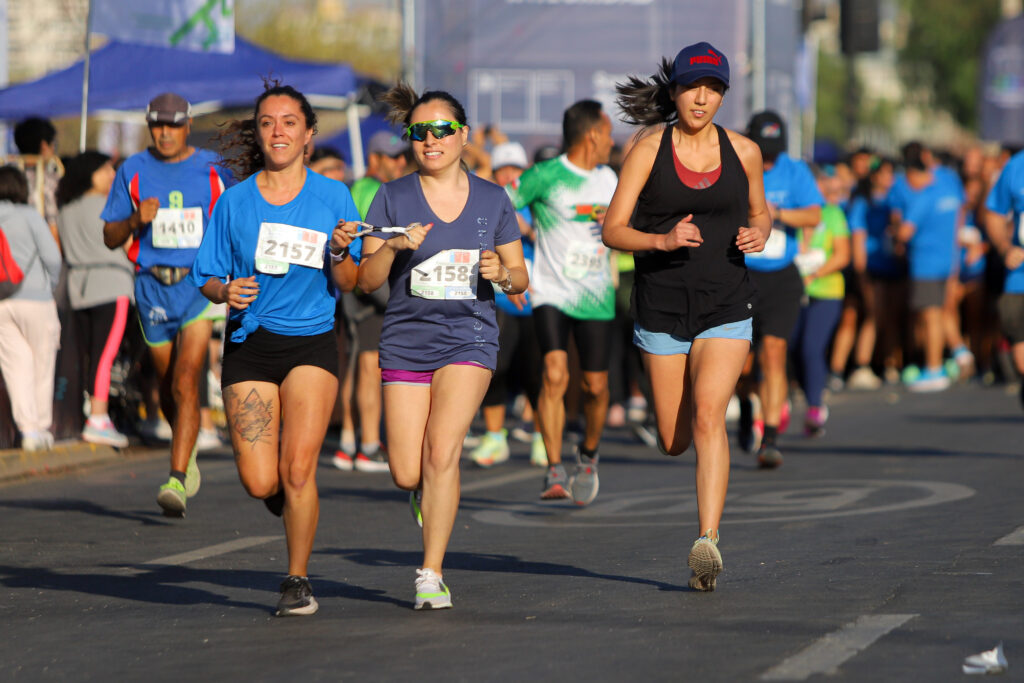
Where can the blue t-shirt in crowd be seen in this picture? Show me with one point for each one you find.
(299, 302)
(195, 183)
(425, 334)
(934, 211)
(871, 216)
(501, 299)
(1007, 197)
(788, 185)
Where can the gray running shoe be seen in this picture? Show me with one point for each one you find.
(296, 598)
(706, 562)
(556, 483)
(583, 483)
(769, 457)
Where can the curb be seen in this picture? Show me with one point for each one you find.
(18, 464)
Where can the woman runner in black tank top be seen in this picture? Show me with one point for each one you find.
(692, 300)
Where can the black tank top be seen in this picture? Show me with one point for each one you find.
(692, 289)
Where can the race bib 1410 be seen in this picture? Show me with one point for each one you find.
(178, 228)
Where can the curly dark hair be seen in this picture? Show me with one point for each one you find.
(239, 143)
(648, 102)
(77, 179)
(403, 99)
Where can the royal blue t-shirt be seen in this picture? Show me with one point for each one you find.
(193, 183)
(299, 302)
(501, 299)
(934, 211)
(871, 216)
(1006, 197)
(425, 334)
(788, 185)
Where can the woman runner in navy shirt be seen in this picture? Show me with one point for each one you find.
(699, 197)
(273, 248)
(439, 343)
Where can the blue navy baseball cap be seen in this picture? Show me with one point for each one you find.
(698, 61)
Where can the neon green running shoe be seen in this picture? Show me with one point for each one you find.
(414, 507)
(192, 476)
(431, 593)
(705, 561)
(538, 453)
(172, 498)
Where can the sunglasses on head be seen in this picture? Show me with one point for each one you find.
(440, 128)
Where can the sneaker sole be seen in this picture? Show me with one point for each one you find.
(311, 608)
(172, 505)
(435, 604)
(103, 441)
(345, 465)
(375, 467)
(706, 563)
(555, 492)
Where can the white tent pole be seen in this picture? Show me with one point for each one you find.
(355, 139)
(85, 81)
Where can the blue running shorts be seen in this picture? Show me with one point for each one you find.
(665, 344)
(165, 309)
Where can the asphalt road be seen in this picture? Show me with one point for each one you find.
(889, 549)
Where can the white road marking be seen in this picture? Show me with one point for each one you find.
(494, 482)
(214, 550)
(1013, 538)
(827, 654)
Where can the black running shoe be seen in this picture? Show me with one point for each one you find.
(769, 457)
(296, 598)
(275, 503)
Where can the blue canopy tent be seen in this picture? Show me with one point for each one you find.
(124, 77)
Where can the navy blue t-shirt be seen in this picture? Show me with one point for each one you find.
(425, 334)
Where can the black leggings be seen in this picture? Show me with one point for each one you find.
(593, 337)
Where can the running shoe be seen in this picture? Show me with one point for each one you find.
(378, 462)
(520, 434)
(706, 563)
(616, 416)
(275, 503)
(103, 432)
(192, 476)
(538, 453)
(556, 483)
(814, 423)
(342, 460)
(493, 449)
(431, 593)
(414, 506)
(645, 435)
(296, 598)
(929, 381)
(208, 440)
(750, 430)
(964, 360)
(583, 483)
(636, 409)
(787, 410)
(835, 382)
(172, 498)
(863, 379)
(768, 456)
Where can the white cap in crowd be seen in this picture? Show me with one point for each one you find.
(508, 154)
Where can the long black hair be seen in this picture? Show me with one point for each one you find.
(239, 143)
(77, 179)
(648, 102)
(13, 185)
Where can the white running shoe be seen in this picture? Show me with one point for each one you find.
(493, 450)
(102, 431)
(431, 593)
(208, 440)
(863, 379)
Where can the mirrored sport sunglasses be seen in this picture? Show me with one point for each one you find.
(440, 128)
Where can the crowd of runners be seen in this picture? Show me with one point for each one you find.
(692, 274)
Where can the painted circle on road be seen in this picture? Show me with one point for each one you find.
(746, 503)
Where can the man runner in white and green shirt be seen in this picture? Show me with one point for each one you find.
(572, 288)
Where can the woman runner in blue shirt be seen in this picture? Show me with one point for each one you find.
(439, 343)
(267, 255)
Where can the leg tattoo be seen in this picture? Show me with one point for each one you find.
(251, 416)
